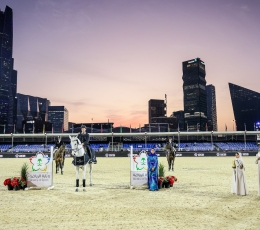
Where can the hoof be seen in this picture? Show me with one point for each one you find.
(84, 190)
(76, 190)
(90, 184)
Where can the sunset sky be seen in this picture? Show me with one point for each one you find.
(104, 59)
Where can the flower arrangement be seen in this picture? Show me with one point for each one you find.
(17, 183)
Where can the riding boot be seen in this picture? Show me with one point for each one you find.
(89, 154)
(84, 183)
(77, 182)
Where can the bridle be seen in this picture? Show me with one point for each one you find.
(77, 148)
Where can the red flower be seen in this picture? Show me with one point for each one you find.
(160, 180)
(15, 182)
(7, 181)
(171, 181)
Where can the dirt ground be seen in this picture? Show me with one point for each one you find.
(201, 199)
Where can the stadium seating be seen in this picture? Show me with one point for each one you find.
(237, 146)
(4, 148)
(196, 146)
(32, 148)
(99, 147)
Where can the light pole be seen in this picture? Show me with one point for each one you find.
(233, 128)
(212, 140)
(234, 125)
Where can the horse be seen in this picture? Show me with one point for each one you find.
(60, 158)
(80, 162)
(170, 155)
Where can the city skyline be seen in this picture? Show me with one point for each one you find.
(130, 52)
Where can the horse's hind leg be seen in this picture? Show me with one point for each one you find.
(90, 174)
(84, 177)
(77, 179)
(61, 167)
(169, 164)
(57, 167)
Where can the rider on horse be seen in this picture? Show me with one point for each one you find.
(58, 144)
(83, 136)
(170, 153)
(170, 142)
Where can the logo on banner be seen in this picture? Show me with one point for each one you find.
(40, 162)
(140, 161)
(17, 155)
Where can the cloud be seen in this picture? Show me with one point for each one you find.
(245, 8)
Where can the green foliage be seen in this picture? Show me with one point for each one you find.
(24, 171)
(161, 170)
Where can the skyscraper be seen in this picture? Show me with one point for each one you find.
(156, 108)
(211, 108)
(246, 107)
(8, 76)
(194, 94)
(59, 117)
(30, 108)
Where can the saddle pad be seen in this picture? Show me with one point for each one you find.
(79, 161)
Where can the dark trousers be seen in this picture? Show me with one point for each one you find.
(88, 151)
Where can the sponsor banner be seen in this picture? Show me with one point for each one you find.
(139, 178)
(41, 170)
(139, 168)
(110, 155)
(127, 154)
(39, 179)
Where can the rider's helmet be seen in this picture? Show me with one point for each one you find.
(83, 126)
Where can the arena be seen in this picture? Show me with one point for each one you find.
(201, 199)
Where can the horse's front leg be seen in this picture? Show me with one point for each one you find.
(173, 163)
(90, 174)
(56, 167)
(169, 164)
(77, 178)
(61, 168)
(84, 177)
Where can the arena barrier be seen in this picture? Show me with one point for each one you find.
(127, 154)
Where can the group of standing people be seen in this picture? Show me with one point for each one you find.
(239, 185)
